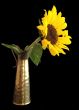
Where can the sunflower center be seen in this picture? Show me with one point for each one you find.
(52, 34)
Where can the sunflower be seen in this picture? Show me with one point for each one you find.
(54, 35)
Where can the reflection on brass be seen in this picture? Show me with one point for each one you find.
(22, 85)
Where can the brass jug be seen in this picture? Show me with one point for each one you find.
(22, 83)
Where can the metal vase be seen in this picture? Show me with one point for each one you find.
(22, 85)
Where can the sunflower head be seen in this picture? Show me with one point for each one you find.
(54, 35)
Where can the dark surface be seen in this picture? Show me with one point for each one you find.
(55, 82)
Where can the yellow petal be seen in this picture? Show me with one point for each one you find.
(62, 46)
(54, 10)
(49, 16)
(62, 19)
(69, 37)
(65, 33)
(45, 13)
(40, 27)
(59, 31)
(64, 26)
(52, 50)
(59, 14)
(59, 49)
(64, 40)
(44, 43)
(45, 19)
(52, 15)
(43, 30)
(60, 25)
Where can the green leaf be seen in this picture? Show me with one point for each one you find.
(36, 54)
(16, 49)
(28, 51)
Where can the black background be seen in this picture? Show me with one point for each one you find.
(55, 82)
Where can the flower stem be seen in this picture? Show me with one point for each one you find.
(28, 49)
(33, 43)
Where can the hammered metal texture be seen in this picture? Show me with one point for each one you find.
(22, 83)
